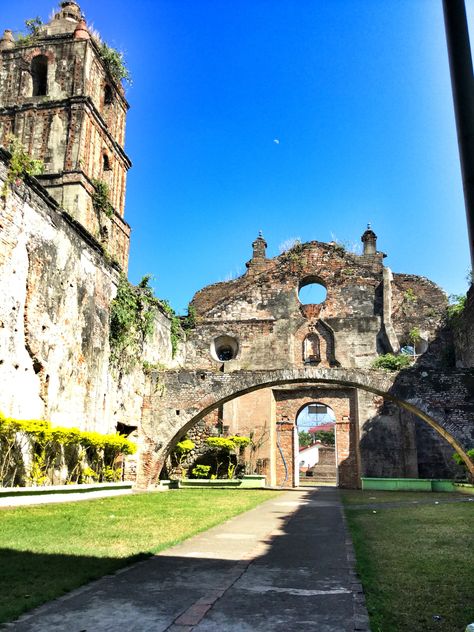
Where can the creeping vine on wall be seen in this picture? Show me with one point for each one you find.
(132, 316)
(101, 198)
(176, 332)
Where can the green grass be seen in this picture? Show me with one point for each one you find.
(415, 562)
(48, 550)
(372, 497)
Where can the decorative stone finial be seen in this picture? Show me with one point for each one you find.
(7, 42)
(369, 239)
(69, 10)
(259, 246)
(81, 31)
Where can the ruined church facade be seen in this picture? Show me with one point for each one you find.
(256, 354)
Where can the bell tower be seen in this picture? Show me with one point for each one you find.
(61, 95)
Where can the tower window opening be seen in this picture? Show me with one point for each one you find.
(108, 95)
(39, 74)
(106, 163)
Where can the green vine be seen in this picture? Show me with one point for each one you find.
(21, 164)
(132, 318)
(101, 198)
(189, 321)
(455, 309)
(176, 331)
(114, 61)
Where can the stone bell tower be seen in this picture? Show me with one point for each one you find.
(60, 98)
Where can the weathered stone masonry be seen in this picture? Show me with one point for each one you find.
(256, 353)
(56, 289)
(255, 327)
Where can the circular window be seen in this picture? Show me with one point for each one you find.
(224, 348)
(311, 292)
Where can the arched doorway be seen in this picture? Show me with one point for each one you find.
(316, 458)
(179, 399)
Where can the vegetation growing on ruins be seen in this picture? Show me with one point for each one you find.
(176, 332)
(101, 198)
(74, 543)
(413, 558)
(114, 61)
(34, 452)
(21, 164)
(189, 321)
(410, 296)
(391, 362)
(132, 316)
(455, 310)
(33, 26)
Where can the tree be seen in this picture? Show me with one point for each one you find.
(305, 439)
(325, 436)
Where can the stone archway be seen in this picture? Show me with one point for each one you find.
(178, 399)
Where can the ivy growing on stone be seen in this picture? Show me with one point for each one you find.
(101, 198)
(21, 165)
(455, 309)
(132, 318)
(176, 331)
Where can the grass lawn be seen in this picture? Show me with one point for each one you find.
(416, 562)
(48, 550)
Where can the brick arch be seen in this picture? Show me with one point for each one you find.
(314, 400)
(179, 399)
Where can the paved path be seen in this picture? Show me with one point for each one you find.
(285, 566)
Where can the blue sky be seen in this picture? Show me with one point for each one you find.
(357, 92)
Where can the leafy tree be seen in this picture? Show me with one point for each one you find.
(305, 438)
(326, 437)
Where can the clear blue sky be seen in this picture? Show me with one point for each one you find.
(356, 91)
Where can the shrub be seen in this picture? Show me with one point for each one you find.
(223, 447)
(201, 471)
(21, 164)
(458, 459)
(49, 448)
(391, 362)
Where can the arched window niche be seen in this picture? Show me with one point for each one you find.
(106, 162)
(311, 350)
(108, 95)
(39, 75)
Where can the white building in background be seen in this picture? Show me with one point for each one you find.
(309, 456)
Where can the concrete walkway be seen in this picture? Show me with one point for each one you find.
(285, 566)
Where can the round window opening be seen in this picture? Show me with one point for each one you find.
(312, 293)
(224, 348)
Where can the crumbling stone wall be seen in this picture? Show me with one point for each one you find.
(262, 324)
(56, 289)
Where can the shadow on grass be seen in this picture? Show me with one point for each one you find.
(29, 579)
